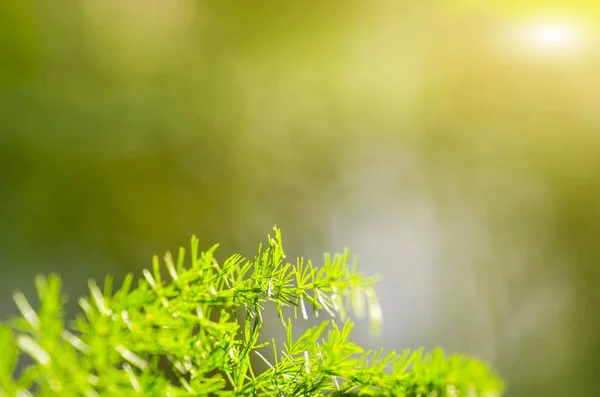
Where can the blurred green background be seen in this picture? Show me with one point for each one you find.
(455, 146)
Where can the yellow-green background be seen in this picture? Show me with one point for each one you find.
(463, 167)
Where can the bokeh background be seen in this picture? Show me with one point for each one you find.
(453, 146)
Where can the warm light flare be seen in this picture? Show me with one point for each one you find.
(558, 38)
(553, 36)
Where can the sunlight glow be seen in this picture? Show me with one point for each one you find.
(553, 37)
(557, 38)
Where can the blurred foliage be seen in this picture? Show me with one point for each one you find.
(124, 130)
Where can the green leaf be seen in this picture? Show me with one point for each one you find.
(189, 326)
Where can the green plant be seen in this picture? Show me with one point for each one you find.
(198, 334)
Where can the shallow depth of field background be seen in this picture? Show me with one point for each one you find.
(453, 146)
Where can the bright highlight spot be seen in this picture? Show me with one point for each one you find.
(553, 37)
(558, 38)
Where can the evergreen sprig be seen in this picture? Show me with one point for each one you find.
(198, 334)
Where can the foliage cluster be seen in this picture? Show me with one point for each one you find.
(198, 334)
